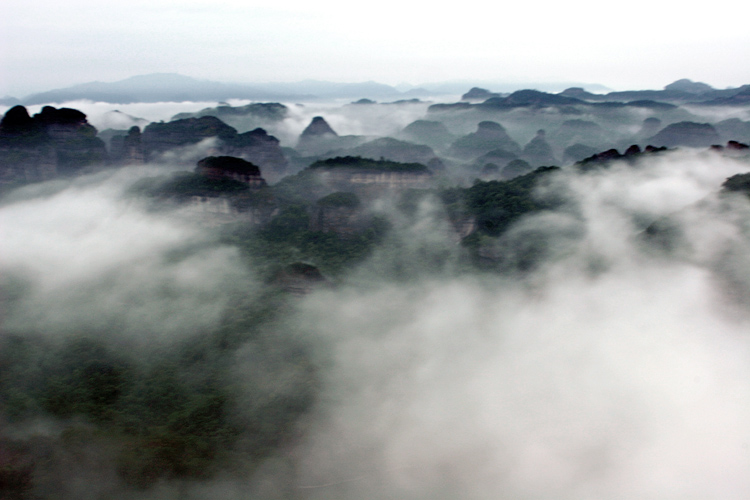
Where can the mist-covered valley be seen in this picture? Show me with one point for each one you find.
(496, 295)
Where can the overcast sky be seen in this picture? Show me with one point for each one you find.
(637, 44)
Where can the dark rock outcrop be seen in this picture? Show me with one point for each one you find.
(255, 146)
(161, 137)
(367, 177)
(230, 167)
(52, 142)
(318, 138)
(733, 149)
(318, 127)
(258, 147)
(631, 155)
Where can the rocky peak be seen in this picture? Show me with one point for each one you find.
(318, 127)
(478, 94)
(488, 129)
(689, 86)
(230, 167)
(16, 121)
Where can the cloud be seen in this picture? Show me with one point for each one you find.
(90, 258)
(628, 379)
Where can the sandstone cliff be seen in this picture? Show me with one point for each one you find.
(51, 143)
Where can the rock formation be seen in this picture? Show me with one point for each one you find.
(318, 128)
(368, 178)
(489, 136)
(690, 134)
(255, 146)
(603, 159)
(685, 85)
(258, 147)
(538, 152)
(127, 149)
(431, 133)
(161, 137)
(317, 138)
(230, 167)
(394, 150)
(52, 142)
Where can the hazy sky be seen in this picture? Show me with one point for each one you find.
(639, 44)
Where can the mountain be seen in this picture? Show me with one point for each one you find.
(172, 87)
(157, 87)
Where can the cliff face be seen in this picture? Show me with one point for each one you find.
(128, 149)
(261, 149)
(230, 167)
(52, 142)
(318, 138)
(338, 213)
(367, 177)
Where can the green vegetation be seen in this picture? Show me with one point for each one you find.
(177, 412)
(497, 204)
(287, 238)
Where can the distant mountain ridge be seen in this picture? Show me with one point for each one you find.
(173, 87)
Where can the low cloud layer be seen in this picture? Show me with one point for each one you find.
(616, 369)
(613, 371)
(87, 257)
